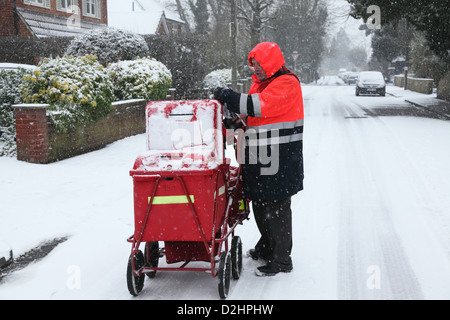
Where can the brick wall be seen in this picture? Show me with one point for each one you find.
(53, 10)
(11, 25)
(31, 133)
(7, 18)
(39, 142)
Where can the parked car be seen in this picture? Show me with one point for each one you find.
(371, 82)
(345, 75)
(341, 73)
(352, 78)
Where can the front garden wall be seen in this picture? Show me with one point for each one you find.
(38, 141)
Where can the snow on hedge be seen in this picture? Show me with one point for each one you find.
(217, 78)
(79, 89)
(10, 80)
(109, 45)
(143, 78)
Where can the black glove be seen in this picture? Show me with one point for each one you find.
(222, 94)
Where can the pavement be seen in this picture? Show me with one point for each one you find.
(437, 106)
(428, 103)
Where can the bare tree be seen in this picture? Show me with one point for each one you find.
(255, 17)
(182, 14)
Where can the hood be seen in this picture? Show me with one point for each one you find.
(269, 56)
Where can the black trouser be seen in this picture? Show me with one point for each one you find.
(274, 221)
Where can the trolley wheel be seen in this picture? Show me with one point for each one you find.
(151, 256)
(224, 275)
(135, 283)
(236, 257)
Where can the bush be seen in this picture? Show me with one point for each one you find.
(140, 79)
(185, 56)
(10, 82)
(109, 45)
(31, 50)
(78, 89)
(217, 78)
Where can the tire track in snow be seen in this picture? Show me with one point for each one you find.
(372, 260)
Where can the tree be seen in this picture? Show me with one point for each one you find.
(219, 44)
(424, 62)
(252, 13)
(386, 45)
(358, 57)
(300, 26)
(182, 14)
(432, 17)
(200, 11)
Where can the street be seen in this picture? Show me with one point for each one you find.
(372, 222)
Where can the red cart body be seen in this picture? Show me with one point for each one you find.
(185, 193)
(171, 218)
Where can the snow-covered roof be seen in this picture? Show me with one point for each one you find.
(139, 16)
(43, 25)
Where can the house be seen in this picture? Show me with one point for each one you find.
(144, 17)
(51, 18)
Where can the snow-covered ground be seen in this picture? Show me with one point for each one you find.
(372, 223)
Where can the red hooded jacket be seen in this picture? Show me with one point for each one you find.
(273, 139)
(279, 98)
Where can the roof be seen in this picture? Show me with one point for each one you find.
(139, 16)
(50, 25)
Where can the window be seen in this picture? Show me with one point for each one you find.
(91, 8)
(70, 6)
(66, 4)
(38, 3)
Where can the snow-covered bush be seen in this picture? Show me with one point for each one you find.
(10, 82)
(78, 89)
(143, 78)
(109, 45)
(217, 78)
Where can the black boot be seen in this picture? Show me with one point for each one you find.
(270, 269)
(256, 255)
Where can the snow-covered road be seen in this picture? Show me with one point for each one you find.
(372, 223)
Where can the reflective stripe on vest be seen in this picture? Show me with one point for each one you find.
(243, 109)
(275, 133)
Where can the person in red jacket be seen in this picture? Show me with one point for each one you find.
(273, 144)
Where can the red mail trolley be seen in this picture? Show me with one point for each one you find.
(186, 196)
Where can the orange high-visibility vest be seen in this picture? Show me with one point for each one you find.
(274, 131)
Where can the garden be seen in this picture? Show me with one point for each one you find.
(97, 69)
